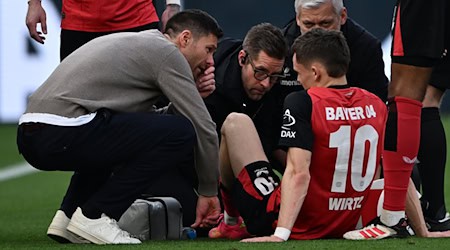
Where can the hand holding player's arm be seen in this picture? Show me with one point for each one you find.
(36, 14)
(294, 188)
(207, 212)
(415, 215)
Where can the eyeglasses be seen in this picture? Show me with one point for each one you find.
(261, 75)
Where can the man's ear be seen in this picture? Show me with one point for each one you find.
(242, 56)
(316, 69)
(184, 38)
(297, 20)
(343, 16)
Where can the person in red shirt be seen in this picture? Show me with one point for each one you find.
(419, 55)
(82, 21)
(334, 137)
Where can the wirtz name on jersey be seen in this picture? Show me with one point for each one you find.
(353, 113)
(339, 204)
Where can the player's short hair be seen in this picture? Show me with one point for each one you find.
(327, 47)
(197, 21)
(265, 37)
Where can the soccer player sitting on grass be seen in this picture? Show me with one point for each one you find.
(333, 135)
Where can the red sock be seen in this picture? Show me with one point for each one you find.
(228, 203)
(400, 151)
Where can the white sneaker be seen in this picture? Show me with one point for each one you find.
(58, 230)
(99, 231)
(377, 230)
(371, 232)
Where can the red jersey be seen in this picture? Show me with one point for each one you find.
(106, 15)
(344, 129)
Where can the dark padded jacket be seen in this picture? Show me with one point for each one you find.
(230, 96)
(366, 68)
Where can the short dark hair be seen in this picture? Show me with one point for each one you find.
(265, 37)
(198, 22)
(329, 47)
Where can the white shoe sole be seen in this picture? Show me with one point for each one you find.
(64, 236)
(58, 230)
(80, 232)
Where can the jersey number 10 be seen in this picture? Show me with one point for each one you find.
(342, 140)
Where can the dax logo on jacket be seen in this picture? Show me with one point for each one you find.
(288, 122)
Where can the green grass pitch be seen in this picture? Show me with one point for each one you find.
(28, 203)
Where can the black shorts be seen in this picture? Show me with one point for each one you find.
(420, 31)
(254, 190)
(73, 39)
(440, 78)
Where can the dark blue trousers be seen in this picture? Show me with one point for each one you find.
(116, 157)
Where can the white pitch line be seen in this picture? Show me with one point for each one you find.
(15, 171)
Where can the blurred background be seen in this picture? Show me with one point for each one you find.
(25, 64)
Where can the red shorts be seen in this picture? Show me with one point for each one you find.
(374, 203)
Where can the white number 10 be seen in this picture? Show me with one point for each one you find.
(341, 139)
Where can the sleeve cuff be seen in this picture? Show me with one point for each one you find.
(208, 189)
(177, 2)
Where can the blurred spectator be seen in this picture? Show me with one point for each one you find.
(86, 20)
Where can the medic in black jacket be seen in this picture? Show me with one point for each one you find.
(245, 72)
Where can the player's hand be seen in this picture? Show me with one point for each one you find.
(271, 238)
(171, 9)
(208, 211)
(205, 82)
(36, 14)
